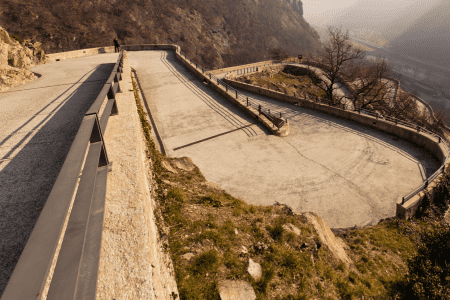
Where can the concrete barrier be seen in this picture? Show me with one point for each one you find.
(149, 47)
(235, 68)
(78, 53)
(423, 140)
(283, 131)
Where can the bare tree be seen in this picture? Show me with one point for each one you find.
(336, 57)
(373, 83)
(404, 106)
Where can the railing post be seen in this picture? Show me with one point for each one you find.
(226, 88)
(247, 101)
(403, 200)
(439, 139)
(210, 76)
(259, 109)
(280, 115)
(236, 95)
(426, 183)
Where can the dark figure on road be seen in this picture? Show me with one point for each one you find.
(116, 45)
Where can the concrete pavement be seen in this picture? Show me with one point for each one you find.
(346, 173)
(38, 122)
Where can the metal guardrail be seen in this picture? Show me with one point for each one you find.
(396, 121)
(76, 270)
(275, 117)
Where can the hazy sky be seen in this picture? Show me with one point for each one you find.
(320, 12)
(312, 10)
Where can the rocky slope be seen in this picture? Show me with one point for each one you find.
(16, 59)
(216, 33)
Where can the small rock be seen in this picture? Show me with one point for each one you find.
(187, 256)
(167, 182)
(254, 269)
(291, 228)
(236, 290)
(211, 185)
(168, 166)
(184, 163)
(244, 250)
(236, 231)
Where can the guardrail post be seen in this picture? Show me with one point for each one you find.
(403, 200)
(247, 101)
(209, 76)
(236, 95)
(217, 81)
(259, 109)
(439, 139)
(426, 183)
(226, 88)
(280, 115)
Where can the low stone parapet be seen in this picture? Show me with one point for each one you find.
(78, 53)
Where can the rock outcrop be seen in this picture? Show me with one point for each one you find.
(327, 237)
(16, 60)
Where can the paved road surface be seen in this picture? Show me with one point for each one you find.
(38, 122)
(347, 173)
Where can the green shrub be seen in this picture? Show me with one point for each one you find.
(430, 269)
(205, 262)
(276, 232)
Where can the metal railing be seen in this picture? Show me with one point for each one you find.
(76, 265)
(275, 117)
(378, 115)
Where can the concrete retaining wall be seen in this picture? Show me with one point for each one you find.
(231, 69)
(283, 131)
(78, 53)
(423, 140)
(147, 47)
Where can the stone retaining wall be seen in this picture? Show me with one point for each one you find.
(78, 53)
(235, 68)
(423, 140)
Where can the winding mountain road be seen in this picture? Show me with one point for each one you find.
(347, 173)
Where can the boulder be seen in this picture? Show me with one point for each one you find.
(254, 269)
(184, 163)
(166, 165)
(291, 228)
(327, 237)
(236, 290)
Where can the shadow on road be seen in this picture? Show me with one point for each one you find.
(27, 179)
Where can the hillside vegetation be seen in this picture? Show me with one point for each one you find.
(214, 33)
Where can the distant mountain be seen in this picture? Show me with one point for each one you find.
(383, 20)
(428, 38)
(216, 33)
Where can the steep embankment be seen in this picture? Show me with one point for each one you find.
(215, 33)
(16, 59)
